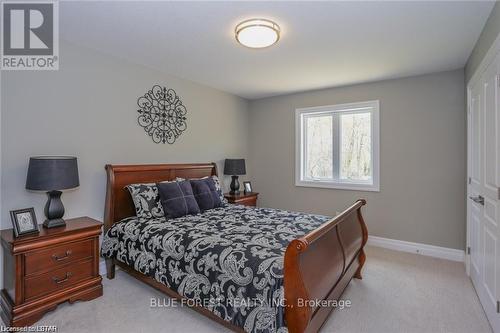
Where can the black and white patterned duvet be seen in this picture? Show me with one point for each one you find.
(227, 259)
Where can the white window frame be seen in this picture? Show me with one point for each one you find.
(374, 184)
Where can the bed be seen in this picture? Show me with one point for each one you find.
(250, 269)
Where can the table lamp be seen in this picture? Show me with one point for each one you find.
(52, 174)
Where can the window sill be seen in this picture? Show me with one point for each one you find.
(338, 186)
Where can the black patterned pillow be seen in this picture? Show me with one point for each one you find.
(205, 193)
(177, 199)
(218, 187)
(146, 200)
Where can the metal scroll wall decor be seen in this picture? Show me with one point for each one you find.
(162, 114)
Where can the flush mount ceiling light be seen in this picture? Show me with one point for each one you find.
(257, 33)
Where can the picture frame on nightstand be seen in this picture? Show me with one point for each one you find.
(24, 221)
(247, 187)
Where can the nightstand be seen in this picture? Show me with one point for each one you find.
(43, 270)
(249, 199)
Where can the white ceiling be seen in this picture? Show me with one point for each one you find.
(323, 44)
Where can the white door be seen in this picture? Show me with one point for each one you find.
(483, 208)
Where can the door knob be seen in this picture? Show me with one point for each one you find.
(479, 199)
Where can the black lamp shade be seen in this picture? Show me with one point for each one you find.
(49, 173)
(234, 166)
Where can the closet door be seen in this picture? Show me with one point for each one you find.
(483, 191)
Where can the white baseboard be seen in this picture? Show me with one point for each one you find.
(418, 248)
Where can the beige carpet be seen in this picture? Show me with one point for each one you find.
(400, 292)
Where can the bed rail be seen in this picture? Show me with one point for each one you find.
(319, 265)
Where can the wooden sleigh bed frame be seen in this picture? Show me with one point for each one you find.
(317, 266)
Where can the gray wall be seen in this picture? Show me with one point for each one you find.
(488, 35)
(423, 164)
(88, 109)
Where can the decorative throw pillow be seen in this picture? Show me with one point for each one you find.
(146, 200)
(218, 187)
(219, 190)
(177, 199)
(205, 193)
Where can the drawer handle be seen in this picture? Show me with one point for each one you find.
(66, 256)
(59, 281)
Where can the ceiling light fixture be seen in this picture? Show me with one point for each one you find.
(257, 33)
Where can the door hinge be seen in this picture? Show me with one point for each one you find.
(498, 306)
(468, 249)
(470, 180)
(499, 193)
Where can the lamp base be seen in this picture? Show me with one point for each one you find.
(54, 223)
(235, 186)
(54, 210)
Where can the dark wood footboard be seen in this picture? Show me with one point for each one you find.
(319, 265)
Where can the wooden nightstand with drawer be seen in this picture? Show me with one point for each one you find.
(43, 270)
(246, 199)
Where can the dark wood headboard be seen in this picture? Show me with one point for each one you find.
(119, 204)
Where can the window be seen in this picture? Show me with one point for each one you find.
(337, 146)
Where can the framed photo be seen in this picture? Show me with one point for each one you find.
(247, 186)
(24, 221)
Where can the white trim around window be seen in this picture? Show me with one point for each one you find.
(334, 182)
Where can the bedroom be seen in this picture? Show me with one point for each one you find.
(393, 103)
